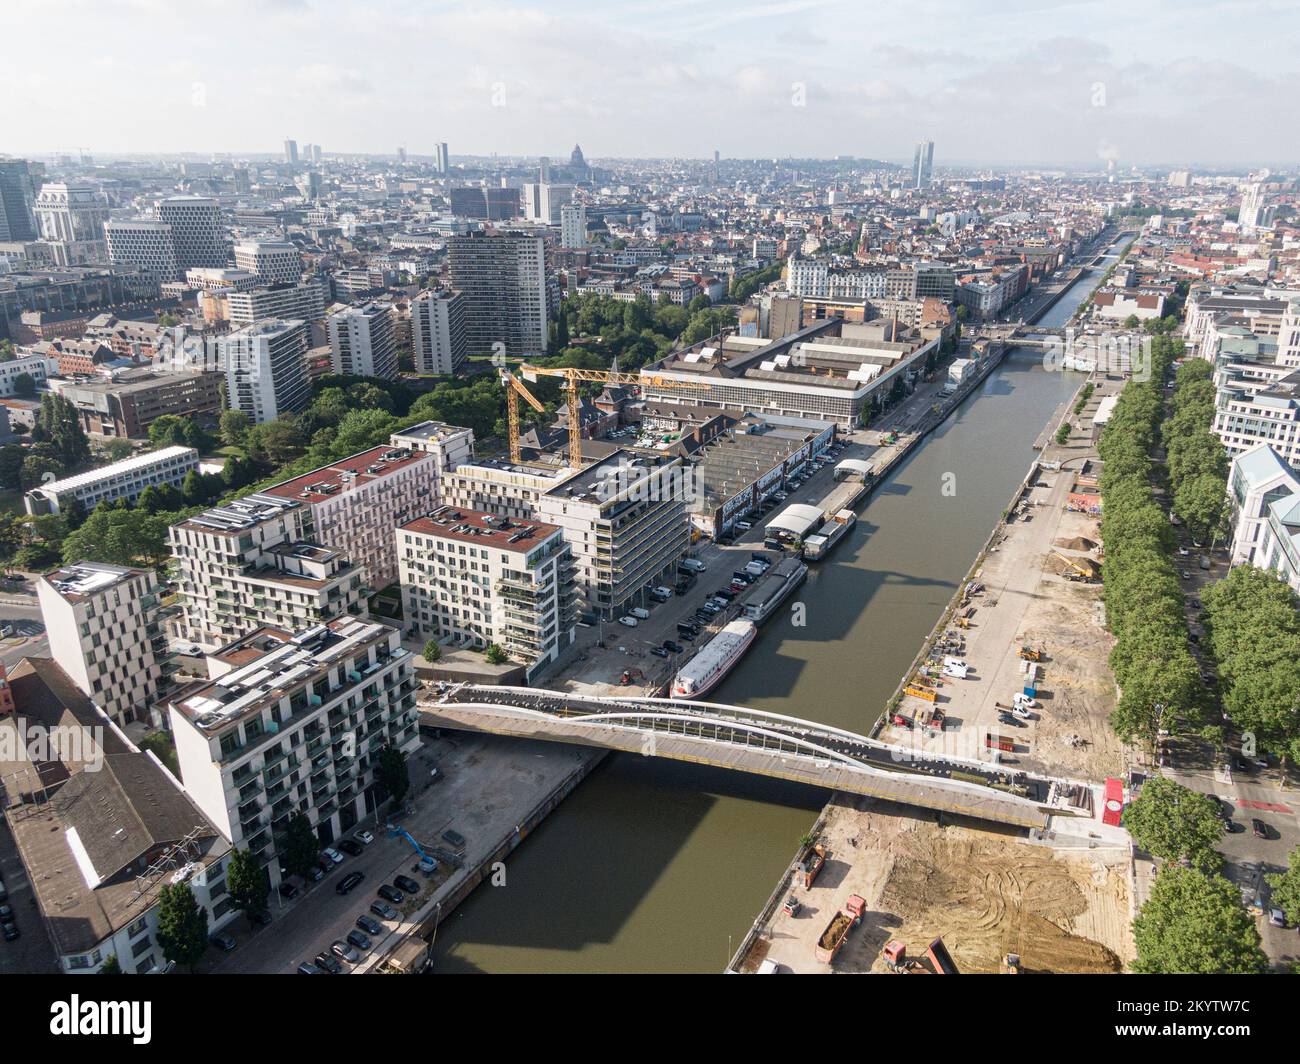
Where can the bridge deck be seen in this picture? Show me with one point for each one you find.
(939, 794)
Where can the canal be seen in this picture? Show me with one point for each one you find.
(654, 865)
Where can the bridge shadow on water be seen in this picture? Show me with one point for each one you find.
(616, 862)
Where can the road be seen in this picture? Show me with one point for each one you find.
(29, 639)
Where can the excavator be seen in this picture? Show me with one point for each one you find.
(1077, 571)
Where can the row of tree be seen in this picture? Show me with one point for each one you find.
(1197, 462)
(1253, 630)
(1158, 678)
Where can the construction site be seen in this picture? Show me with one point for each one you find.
(987, 895)
(1020, 662)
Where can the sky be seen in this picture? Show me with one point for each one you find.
(1011, 82)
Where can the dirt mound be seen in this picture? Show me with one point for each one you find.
(986, 900)
(1077, 543)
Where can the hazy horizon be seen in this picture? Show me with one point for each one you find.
(1035, 84)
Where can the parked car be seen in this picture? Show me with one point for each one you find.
(348, 882)
(361, 940)
(629, 622)
(1277, 917)
(659, 652)
(744, 526)
(640, 613)
(260, 917)
(316, 874)
(1007, 718)
(222, 941)
(383, 910)
(391, 894)
(9, 931)
(288, 891)
(350, 847)
(407, 884)
(307, 968)
(663, 592)
(344, 951)
(671, 647)
(329, 963)
(333, 854)
(1020, 710)
(791, 906)
(1259, 828)
(370, 925)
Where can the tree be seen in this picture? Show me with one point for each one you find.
(300, 849)
(1173, 822)
(391, 772)
(432, 651)
(38, 470)
(1286, 888)
(247, 882)
(120, 537)
(110, 966)
(234, 427)
(11, 466)
(495, 655)
(182, 925)
(24, 386)
(1194, 924)
(1063, 433)
(57, 424)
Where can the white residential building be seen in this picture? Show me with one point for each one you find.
(1264, 496)
(38, 367)
(1246, 416)
(266, 368)
(256, 562)
(120, 480)
(625, 519)
(357, 501)
(105, 632)
(273, 261)
(470, 578)
(304, 301)
(293, 720)
(573, 226)
(362, 341)
(495, 486)
(450, 444)
(439, 337)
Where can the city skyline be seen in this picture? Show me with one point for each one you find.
(1049, 84)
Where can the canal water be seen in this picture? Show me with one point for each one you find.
(655, 865)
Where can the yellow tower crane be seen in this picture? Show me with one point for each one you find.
(514, 389)
(574, 377)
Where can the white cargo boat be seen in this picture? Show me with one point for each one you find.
(705, 671)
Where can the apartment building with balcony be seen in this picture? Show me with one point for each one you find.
(473, 579)
(451, 444)
(357, 501)
(626, 521)
(105, 630)
(293, 720)
(256, 562)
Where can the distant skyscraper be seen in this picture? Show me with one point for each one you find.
(17, 196)
(1253, 214)
(542, 201)
(503, 279)
(266, 368)
(362, 342)
(290, 151)
(401, 155)
(716, 155)
(922, 164)
(315, 153)
(438, 331)
(441, 158)
(143, 244)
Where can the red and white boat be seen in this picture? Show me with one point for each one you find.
(706, 670)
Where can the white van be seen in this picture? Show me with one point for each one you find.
(640, 613)
(694, 564)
